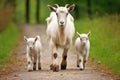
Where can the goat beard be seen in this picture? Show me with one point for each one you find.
(61, 36)
(61, 26)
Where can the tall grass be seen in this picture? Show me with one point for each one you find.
(105, 40)
(8, 39)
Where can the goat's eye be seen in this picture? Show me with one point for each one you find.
(86, 38)
(33, 43)
(67, 14)
(81, 39)
(57, 14)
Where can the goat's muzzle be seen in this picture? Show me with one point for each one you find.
(83, 44)
(30, 48)
(62, 24)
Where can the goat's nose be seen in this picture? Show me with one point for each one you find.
(83, 44)
(30, 48)
(61, 22)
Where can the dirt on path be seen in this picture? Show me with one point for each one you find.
(72, 72)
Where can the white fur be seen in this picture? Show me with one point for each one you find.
(33, 51)
(57, 35)
(81, 49)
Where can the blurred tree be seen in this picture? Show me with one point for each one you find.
(10, 2)
(27, 11)
(37, 11)
(89, 9)
(77, 11)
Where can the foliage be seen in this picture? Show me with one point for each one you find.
(100, 7)
(20, 11)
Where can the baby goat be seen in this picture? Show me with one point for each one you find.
(33, 51)
(82, 46)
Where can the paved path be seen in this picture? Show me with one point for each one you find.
(72, 72)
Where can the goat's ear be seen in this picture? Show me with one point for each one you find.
(78, 34)
(52, 8)
(89, 33)
(25, 38)
(36, 38)
(71, 8)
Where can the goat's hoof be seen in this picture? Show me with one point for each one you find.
(29, 70)
(55, 68)
(77, 65)
(81, 69)
(34, 68)
(51, 66)
(63, 67)
(39, 68)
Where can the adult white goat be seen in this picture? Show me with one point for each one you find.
(33, 51)
(82, 46)
(60, 30)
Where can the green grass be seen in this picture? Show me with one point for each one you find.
(8, 39)
(105, 40)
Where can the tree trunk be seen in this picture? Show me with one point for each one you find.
(27, 11)
(77, 12)
(89, 9)
(37, 11)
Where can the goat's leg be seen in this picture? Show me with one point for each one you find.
(54, 66)
(64, 57)
(39, 61)
(81, 62)
(29, 62)
(34, 62)
(85, 58)
(78, 61)
(84, 61)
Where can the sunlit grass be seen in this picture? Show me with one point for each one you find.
(8, 38)
(105, 40)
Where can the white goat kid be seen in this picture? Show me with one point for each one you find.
(82, 46)
(33, 51)
(60, 30)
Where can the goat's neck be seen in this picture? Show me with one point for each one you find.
(61, 31)
(61, 35)
(83, 47)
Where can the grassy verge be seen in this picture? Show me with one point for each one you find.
(8, 40)
(104, 39)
